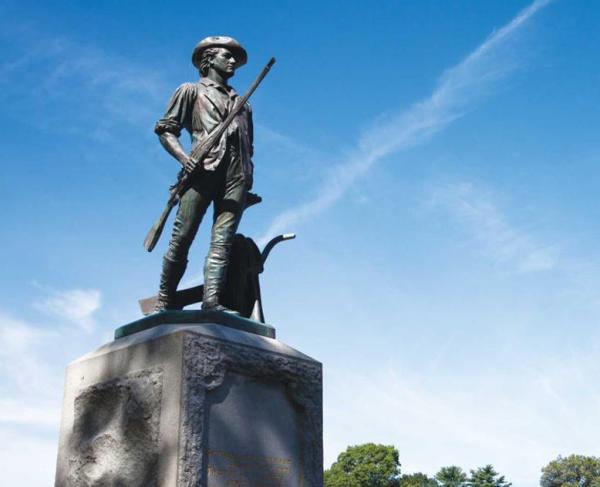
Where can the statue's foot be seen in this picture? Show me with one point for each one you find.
(160, 309)
(165, 305)
(218, 307)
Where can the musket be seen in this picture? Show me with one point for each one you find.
(198, 154)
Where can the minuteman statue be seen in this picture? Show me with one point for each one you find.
(225, 175)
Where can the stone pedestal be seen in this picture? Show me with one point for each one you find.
(191, 399)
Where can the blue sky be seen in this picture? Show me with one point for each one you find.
(438, 161)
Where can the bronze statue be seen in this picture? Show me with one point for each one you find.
(219, 170)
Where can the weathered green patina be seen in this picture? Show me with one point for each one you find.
(175, 318)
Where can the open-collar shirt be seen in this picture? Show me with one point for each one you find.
(200, 108)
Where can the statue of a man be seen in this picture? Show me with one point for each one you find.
(225, 175)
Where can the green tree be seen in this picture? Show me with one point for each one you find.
(367, 465)
(417, 480)
(451, 477)
(487, 477)
(572, 471)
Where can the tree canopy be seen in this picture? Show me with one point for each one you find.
(372, 465)
(451, 477)
(486, 477)
(367, 465)
(572, 471)
(417, 480)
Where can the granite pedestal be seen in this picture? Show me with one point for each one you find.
(191, 399)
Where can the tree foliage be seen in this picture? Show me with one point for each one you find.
(367, 465)
(417, 480)
(372, 465)
(451, 477)
(572, 471)
(487, 477)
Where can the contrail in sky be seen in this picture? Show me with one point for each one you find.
(458, 88)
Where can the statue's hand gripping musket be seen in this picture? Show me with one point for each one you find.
(197, 156)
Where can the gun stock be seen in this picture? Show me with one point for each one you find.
(155, 232)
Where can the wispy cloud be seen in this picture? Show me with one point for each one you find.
(19, 412)
(29, 402)
(282, 142)
(457, 90)
(17, 449)
(28, 387)
(483, 220)
(86, 87)
(18, 340)
(75, 305)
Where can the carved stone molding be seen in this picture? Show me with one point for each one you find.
(207, 360)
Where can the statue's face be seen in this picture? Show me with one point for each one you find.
(223, 62)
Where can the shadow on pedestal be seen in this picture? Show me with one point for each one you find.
(192, 398)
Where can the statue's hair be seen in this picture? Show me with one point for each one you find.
(207, 56)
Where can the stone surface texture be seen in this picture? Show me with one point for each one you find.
(192, 405)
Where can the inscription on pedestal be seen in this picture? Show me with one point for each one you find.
(236, 470)
(254, 435)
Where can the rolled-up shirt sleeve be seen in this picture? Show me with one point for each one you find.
(179, 111)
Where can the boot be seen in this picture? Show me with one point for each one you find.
(210, 302)
(172, 272)
(214, 282)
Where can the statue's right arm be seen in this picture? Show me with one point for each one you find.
(177, 117)
(172, 145)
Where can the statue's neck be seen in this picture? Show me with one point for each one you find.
(217, 77)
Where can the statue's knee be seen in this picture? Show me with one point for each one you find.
(178, 251)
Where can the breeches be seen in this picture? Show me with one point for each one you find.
(192, 208)
(226, 188)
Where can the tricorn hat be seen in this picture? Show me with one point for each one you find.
(220, 41)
